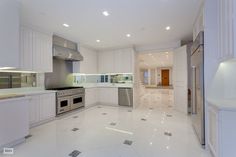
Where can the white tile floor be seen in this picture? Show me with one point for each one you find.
(97, 138)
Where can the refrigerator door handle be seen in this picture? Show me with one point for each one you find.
(194, 109)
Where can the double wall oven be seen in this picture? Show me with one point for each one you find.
(69, 98)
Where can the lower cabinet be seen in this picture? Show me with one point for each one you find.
(42, 108)
(108, 96)
(221, 131)
(14, 121)
(90, 96)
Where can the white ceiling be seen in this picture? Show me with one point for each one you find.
(154, 60)
(145, 20)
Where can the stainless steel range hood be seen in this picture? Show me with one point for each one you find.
(65, 50)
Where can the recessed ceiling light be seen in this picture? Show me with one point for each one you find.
(167, 52)
(128, 35)
(149, 54)
(168, 28)
(98, 41)
(66, 25)
(105, 13)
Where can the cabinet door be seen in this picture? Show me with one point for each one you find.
(26, 49)
(90, 96)
(47, 106)
(106, 62)
(9, 33)
(123, 61)
(226, 29)
(108, 96)
(213, 130)
(34, 109)
(42, 52)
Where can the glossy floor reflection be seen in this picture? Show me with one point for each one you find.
(120, 132)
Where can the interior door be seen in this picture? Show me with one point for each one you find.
(180, 79)
(165, 77)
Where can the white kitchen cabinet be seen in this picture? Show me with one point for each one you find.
(35, 50)
(47, 106)
(116, 61)
(90, 63)
(221, 131)
(123, 61)
(34, 107)
(9, 33)
(226, 29)
(106, 62)
(91, 96)
(42, 108)
(14, 121)
(108, 96)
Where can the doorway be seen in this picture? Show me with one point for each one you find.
(165, 78)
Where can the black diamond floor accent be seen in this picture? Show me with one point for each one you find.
(74, 153)
(168, 133)
(113, 124)
(128, 142)
(28, 136)
(75, 129)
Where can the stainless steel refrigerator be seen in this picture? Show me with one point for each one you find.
(198, 107)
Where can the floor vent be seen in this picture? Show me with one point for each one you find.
(128, 142)
(168, 133)
(75, 153)
(28, 136)
(99, 107)
(75, 117)
(150, 108)
(143, 119)
(75, 129)
(104, 113)
(169, 115)
(129, 110)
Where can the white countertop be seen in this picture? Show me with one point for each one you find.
(25, 91)
(105, 85)
(223, 104)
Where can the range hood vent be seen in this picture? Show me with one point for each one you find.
(65, 50)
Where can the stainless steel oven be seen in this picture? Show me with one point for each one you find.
(69, 98)
(63, 104)
(77, 101)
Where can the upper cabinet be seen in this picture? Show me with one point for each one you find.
(226, 29)
(9, 33)
(116, 61)
(35, 50)
(89, 64)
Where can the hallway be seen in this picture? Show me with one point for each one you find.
(154, 129)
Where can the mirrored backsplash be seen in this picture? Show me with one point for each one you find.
(102, 78)
(17, 80)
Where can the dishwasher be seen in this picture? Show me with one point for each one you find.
(125, 96)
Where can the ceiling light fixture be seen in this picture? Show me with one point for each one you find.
(98, 41)
(66, 25)
(128, 35)
(105, 13)
(168, 28)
